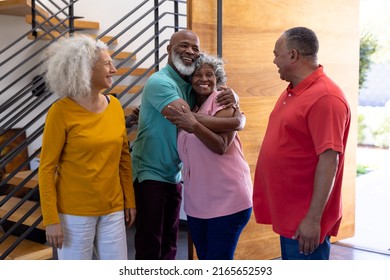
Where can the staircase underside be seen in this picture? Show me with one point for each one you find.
(27, 250)
(78, 24)
(18, 7)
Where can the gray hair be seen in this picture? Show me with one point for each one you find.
(216, 62)
(68, 65)
(304, 40)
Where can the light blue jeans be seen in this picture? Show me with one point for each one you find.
(105, 236)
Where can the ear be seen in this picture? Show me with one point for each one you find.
(294, 54)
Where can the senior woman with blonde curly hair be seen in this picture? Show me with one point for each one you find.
(216, 176)
(85, 181)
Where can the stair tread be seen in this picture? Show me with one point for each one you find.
(136, 72)
(128, 110)
(19, 8)
(120, 89)
(26, 206)
(105, 39)
(26, 250)
(20, 176)
(121, 55)
(81, 24)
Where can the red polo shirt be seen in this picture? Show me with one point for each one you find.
(306, 121)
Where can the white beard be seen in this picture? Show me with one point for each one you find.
(183, 69)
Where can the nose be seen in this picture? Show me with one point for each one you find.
(203, 78)
(112, 68)
(190, 51)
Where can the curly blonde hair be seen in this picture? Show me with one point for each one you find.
(68, 65)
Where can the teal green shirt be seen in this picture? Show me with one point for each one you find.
(154, 154)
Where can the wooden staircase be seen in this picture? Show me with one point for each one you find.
(23, 8)
(29, 249)
(79, 24)
(26, 250)
(18, 8)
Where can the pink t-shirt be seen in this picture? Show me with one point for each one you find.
(214, 185)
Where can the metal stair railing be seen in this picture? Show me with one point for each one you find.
(26, 112)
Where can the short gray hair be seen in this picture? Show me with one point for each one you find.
(216, 62)
(68, 65)
(303, 39)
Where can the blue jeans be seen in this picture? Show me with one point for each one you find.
(290, 250)
(217, 238)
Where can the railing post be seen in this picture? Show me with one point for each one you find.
(219, 28)
(157, 36)
(71, 18)
(176, 10)
(33, 20)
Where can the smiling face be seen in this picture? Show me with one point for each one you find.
(183, 50)
(204, 80)
(102, 72)
(282, 58)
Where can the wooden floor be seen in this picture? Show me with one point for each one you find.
(342, 252)
(338, 252)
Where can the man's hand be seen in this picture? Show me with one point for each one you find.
(227, 97)
(308, 234)
(183, 119)
(133, 118)
(135, 115)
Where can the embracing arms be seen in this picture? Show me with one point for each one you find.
(227, 98)
(216, 142)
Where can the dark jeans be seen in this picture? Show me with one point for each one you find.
(217, 238)
(157, 220)
(290, 250)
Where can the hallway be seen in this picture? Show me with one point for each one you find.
(338, 250)
(372, 230)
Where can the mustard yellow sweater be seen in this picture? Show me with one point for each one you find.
(85, 166)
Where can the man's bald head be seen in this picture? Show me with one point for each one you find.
(183, 50)
(182, 34)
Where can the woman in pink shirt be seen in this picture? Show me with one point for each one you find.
(217, 180)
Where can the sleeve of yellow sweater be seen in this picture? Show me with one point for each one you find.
(54, 137)
(125, 172)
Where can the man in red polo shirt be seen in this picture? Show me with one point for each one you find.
(297, 184)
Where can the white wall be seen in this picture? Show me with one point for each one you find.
(103, 11)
